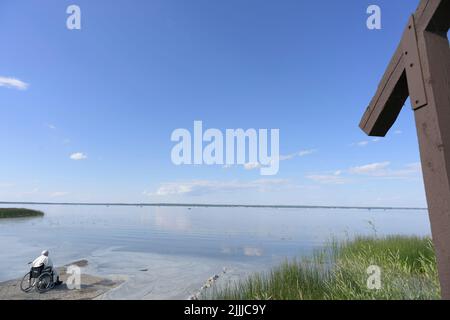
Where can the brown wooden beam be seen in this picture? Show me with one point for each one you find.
(432, 15)
(433, 129)
(392, 91)
(389, 99)
(420, 68)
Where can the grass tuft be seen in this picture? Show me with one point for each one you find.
(339, 272)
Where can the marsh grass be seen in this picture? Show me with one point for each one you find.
(19, 213)
(339, 272)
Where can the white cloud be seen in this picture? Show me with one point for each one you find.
(398, 132)
(383, 170)
(303, 153)
(373, 168)
(256, 165)
(362, 143)
(286, 157)
(58, 194)
(51, 126)
(78, 156)
(411, 170)
(335, 178)
(13, 83)
(365, 143)
(200, 187)
(252, 166)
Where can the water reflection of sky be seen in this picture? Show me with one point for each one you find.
(253, 237)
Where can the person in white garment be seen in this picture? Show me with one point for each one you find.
(44, 260)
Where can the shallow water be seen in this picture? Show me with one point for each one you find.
(169, 252)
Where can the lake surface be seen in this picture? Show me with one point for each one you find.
(170, 252)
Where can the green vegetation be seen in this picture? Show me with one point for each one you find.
(339, 272)
(19, 213)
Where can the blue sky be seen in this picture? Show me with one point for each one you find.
(87, 114)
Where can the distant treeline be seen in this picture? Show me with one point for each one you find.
(19, 213)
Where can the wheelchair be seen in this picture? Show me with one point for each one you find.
(38, 278)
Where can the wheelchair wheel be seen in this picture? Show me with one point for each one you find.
(45, 282)
(27, 283)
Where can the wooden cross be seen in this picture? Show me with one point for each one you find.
(420, 69)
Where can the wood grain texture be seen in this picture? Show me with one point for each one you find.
(420, 68)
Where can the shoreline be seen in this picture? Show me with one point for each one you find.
(201, 205)
(92, 287)
(365, 268)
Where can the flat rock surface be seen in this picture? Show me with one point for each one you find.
(92, 287)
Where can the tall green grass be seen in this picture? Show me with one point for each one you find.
(339, 272)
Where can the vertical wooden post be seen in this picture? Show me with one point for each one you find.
(433, 129)
(420, 69)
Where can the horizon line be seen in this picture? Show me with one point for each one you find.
(214, 205)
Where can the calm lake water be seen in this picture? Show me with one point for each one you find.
(170, 252)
